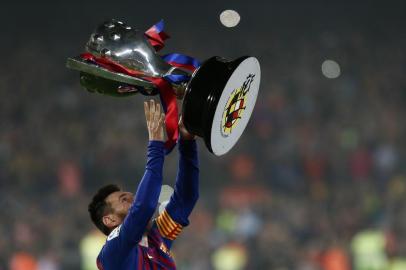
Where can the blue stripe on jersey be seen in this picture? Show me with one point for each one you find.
(122, 251)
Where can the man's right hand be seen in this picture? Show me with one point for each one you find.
(155, 120)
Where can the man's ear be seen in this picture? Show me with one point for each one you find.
(110, 220)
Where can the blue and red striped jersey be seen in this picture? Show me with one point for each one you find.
(131, 246)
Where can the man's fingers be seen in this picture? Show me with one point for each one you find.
(157, 113)
(152, 106)
(155, 119)
(151, 110)
(146, 110)
(160, 123)
(158, 109)
(162, 119)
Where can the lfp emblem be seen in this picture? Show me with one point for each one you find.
(235, 106)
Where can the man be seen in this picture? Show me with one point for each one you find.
(135, 240)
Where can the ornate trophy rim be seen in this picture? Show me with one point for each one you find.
(77, 63)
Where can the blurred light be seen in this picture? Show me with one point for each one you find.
(229, 18)
(330, 69)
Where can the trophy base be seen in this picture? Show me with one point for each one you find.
(219, 101)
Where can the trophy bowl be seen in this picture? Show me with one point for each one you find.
(218, 96)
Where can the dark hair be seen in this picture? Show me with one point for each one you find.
(99, 207)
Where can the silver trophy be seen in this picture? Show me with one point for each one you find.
(218, 97)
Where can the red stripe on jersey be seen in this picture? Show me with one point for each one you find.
(147, 262)
(166, 262)
(140, 258)
(154, 266)
(154, 236)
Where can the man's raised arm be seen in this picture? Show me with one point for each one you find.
(186, 192)
(146, 198)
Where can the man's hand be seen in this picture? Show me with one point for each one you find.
(184, 134)
(155, 120)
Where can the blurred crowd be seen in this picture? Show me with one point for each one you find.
(317, 182)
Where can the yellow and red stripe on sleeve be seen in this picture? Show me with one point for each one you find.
(167, 226)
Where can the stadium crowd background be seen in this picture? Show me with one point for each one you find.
(317, 182)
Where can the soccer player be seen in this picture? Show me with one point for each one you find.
(135, 239)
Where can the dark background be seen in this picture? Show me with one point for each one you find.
(318, 173)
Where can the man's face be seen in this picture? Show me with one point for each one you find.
(120, 203)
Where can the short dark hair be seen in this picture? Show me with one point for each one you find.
(98, 207)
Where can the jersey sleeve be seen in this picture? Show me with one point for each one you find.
(129, 233)
(186, 191)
